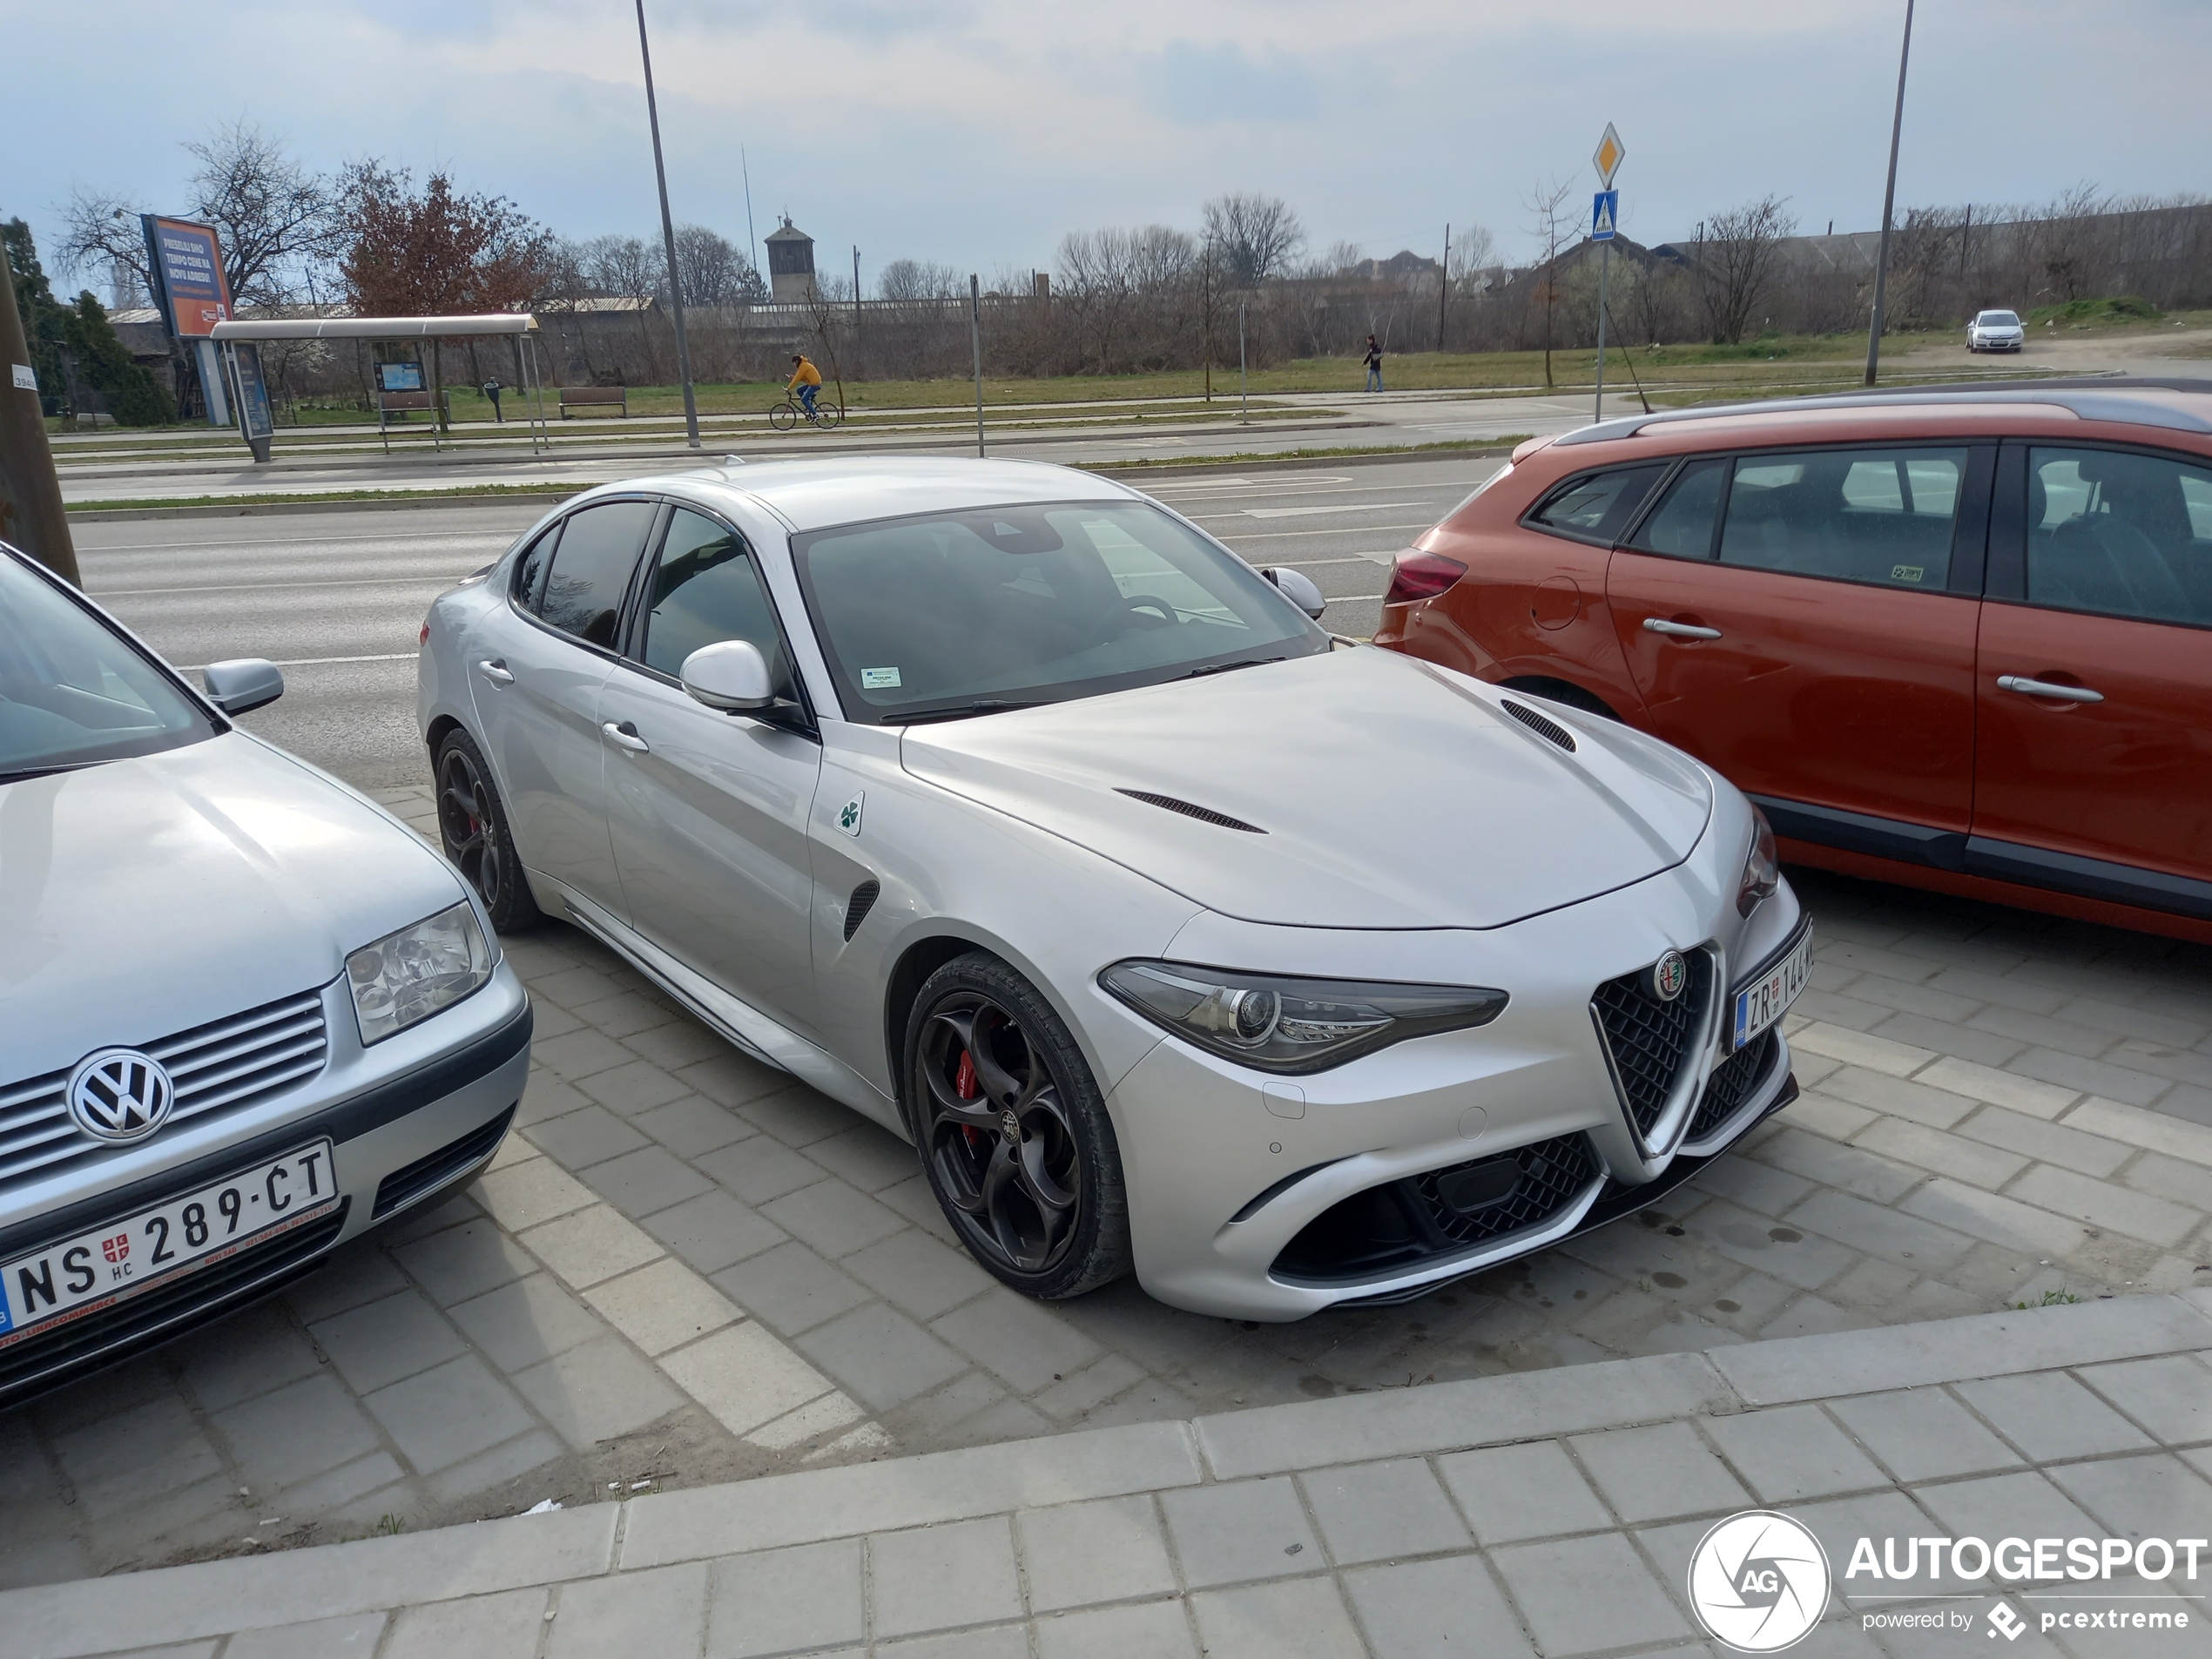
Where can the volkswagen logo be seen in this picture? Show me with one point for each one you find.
(1669, 975)
(119, 1095)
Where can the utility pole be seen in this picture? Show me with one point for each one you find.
(1244, 386)
(1889, 203)
(752, 242)
(856, 312)
(668, 236)
(31, 496)
(975, 338)
(1443, 289)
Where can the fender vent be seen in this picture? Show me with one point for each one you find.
(857, 906)
(1549, 730)
(1204, 815)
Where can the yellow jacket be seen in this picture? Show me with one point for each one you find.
(807, 375)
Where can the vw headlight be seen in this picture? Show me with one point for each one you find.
(1762, 870)
(410, 975)
(1276, 1022)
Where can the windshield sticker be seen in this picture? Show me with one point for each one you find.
(877, 679)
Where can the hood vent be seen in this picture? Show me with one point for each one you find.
(1204, 815)
(1549, 730)
(857, 907)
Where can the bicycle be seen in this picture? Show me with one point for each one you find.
(785, 415)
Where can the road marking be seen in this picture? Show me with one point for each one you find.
(1310, 512)
(257, 587)
(317, 662)
(302, 541)
(1340, 530)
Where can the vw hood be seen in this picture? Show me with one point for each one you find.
(1391, 793)
(140, 898)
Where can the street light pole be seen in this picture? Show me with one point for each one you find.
(1889, 204)
(975, 338)
(31, 496)
(668, 236)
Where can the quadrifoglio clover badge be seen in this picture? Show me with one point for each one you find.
(1759, 1581)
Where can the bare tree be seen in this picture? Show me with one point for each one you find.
(715, 270)
(907, 281)
(1259, 236)
(1551, 223)
(1735, 261)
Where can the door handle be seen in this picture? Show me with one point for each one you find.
(1678, 630)
(495, 672)
(2028, 687)
(624, 736)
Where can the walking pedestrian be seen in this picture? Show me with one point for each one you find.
(491, 392)
(1374, 365)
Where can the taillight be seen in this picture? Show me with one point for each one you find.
(1422, 575)
(423, 639)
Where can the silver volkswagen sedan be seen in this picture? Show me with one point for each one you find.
(1008, 808)
(244, 1015)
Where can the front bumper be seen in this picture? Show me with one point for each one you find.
(411, 1128)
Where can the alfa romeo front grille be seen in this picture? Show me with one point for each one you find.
(1509, 1192)
(222, 1066)
(1731, 1083)
(1647, 1039)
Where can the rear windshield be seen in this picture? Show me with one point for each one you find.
(1999, 320)
(72, 693)
(931, 614)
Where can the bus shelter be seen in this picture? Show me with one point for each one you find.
(244, 365)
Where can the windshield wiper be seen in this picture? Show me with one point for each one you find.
(1222, 668)
(21, 773)
(959, 712)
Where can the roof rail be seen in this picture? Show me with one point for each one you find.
(2087, 398)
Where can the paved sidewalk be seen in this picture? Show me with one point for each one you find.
(1504, 1516)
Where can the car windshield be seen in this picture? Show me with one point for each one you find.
(1998, 319)
(1001, 605)
(71, 693)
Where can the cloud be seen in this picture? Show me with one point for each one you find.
(1198, 86)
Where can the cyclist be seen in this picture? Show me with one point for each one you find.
(806, 380)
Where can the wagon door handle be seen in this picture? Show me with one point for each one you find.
(2048, 688)
(624, 736)
(1678, 630)
(495, 672)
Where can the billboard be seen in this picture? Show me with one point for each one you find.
(254, 420)
(189, 287)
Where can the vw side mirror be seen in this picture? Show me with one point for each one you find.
(730, 675)
(1299, 588)
(243, 684)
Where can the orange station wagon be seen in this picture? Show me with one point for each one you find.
(1959, 638)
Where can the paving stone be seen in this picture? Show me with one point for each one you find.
(528, 1194)
(1999, 989)
(421, 1220)
(786, 1601)
(303, 1429)
(998, 1641)
(599, 1391)
(1933, 1149)
(1792, 1453)
(1021, 1340)
(1820, 1114)
(504, 1626)
(154, 1448)
(713, 1230)
(2173, 1179)
(1896, 1097)
(532, 1319)
(630, 1086)
(745, 1377)
(1856, 1048)
(1822, 1159)
(1374, 1511)
(1148, 1630)
(679, 1043)
(2169, 1395)
(1755, 1185)
(760, 1168)
(2156, 1130)
(1440, 1609)
(1998, 1219)
(2091, 1076)
(1555, 1586)
(1808, 1316)
(2106, 1206)
(1240, 1530)
(627, 1015)
(546, 1097)
(465, 1261)
(507, 1461)
(692, 1125)
(1999, 1088)
(583, 1053)
(589, 1137)
(591, 1244)
(790, 1288)
(914, 1200)
(2046, 1143)
(1953, 1041)
(2138, 1497)
(249, 1353)
(1805, 1260)
(920, 1276)
(357, 1272)
(387, 1340)
(866, 1156)
(1080, 1391)
(1303, 1619)
(1080, 1554)
(798, 1117)
(934, 1578)
(821, 1420)
(732, 1079)
(2134, 1020)
(652, 1178)
(663, 1305)
(832, 1218)
(573, 985)
(1657, 1473)
(880, 1356)
(1923, 1434)
(342, 1638)
(661, 1610)
(437, 1418)
(2023, 1505)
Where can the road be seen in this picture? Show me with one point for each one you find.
(337, 597)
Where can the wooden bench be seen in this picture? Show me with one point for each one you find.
(391, 406)
(595, 397)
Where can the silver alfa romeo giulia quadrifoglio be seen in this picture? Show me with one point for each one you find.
(1006, 806)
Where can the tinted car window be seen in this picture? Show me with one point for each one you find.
(2126, 534)
(1877, 515)
(530, 569)
(1599, 506)
(705, 590)
(1682, 525)
(591, 569)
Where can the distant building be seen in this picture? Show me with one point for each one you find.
(790, 265)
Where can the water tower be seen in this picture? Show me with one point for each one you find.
(790, 263)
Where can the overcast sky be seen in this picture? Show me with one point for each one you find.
(976, 132)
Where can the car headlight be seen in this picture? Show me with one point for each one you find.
(410, 975)
(1761, 869)
(1276, 1022)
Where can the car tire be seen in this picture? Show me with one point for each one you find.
(473, 830)
(1012, 1131)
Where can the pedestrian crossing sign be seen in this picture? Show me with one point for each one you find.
(1603, 211)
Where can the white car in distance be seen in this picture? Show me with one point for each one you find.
(1003, 805)
(1995, 331)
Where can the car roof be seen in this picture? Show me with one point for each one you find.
(853, 490)
(2181, 405)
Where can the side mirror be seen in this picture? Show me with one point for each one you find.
(243, 684)
(730, 675)
(1299, 588)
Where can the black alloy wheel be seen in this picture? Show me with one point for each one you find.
(472, 827)
(1013, 1133)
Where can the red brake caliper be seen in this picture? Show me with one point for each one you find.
(966, 1088)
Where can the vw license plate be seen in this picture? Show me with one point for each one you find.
(1760, 1004)
(99, 1268)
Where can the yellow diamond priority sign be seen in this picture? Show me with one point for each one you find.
(1610, 153)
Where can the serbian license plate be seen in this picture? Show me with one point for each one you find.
(98, 1268)
(1761, 1003)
